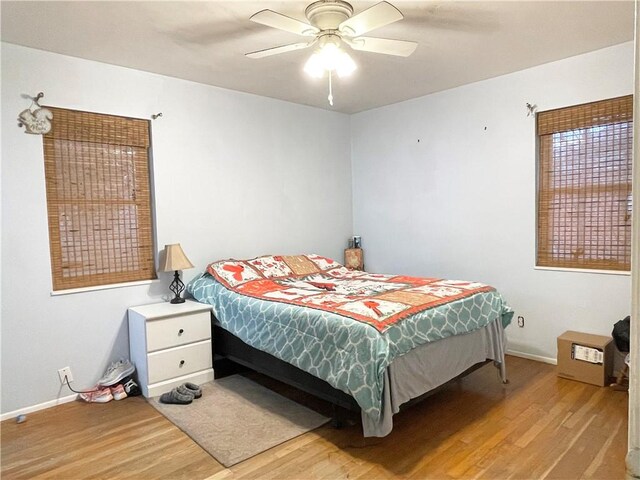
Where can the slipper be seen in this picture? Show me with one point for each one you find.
(191, 388)
(176, 397)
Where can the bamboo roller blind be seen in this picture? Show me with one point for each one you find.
(98, 199)
(584, 185)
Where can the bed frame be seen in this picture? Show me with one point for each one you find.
(231, 355)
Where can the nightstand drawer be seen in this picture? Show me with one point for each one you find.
(175, 362)
(180, 330)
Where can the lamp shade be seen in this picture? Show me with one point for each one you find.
(174, 259)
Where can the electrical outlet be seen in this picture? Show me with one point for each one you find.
(521, 321)
(65, 372)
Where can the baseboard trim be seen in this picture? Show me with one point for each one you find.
(40, 406)
(530, 356)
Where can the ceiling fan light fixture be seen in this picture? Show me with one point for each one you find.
(330, 58)
(314, 67)
(345, 65)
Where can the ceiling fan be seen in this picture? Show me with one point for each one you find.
(332, 24)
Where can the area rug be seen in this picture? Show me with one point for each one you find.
(236, 419)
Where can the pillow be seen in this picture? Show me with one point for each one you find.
(233, 272)
(236, 272)
(323, 263)
(271, 266)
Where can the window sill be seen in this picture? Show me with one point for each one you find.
(584, 270)
(70, 291)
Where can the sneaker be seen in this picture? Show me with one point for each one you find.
(116, 372)
(100, 395)
(118, 392)
(131, 387)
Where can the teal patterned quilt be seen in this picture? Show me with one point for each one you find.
(350, 355)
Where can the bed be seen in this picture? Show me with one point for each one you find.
(369, 341)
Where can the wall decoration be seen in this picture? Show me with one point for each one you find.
(35, 119)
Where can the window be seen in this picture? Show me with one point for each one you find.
(584, 185)
(98, 199)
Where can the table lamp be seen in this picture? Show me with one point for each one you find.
(174, 260)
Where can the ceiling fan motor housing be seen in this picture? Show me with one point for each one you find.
(328, 14)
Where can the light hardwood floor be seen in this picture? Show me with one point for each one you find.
(538, 426)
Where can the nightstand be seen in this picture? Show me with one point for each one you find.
(170, 344)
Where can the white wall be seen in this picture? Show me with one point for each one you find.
(235, 175)
(444, 185)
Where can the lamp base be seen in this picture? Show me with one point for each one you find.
(177, 287)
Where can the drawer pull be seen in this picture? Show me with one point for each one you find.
(181, 363)
(181, 331)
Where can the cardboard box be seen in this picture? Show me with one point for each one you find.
(585, 357)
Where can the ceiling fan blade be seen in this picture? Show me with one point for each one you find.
(282, 22)
(400, 48)
(379, 15)
(267, 52)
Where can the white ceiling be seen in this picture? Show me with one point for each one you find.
(459, 42)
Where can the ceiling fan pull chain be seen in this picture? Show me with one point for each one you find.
(330, 97)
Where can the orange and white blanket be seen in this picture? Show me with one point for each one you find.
(321, 283)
